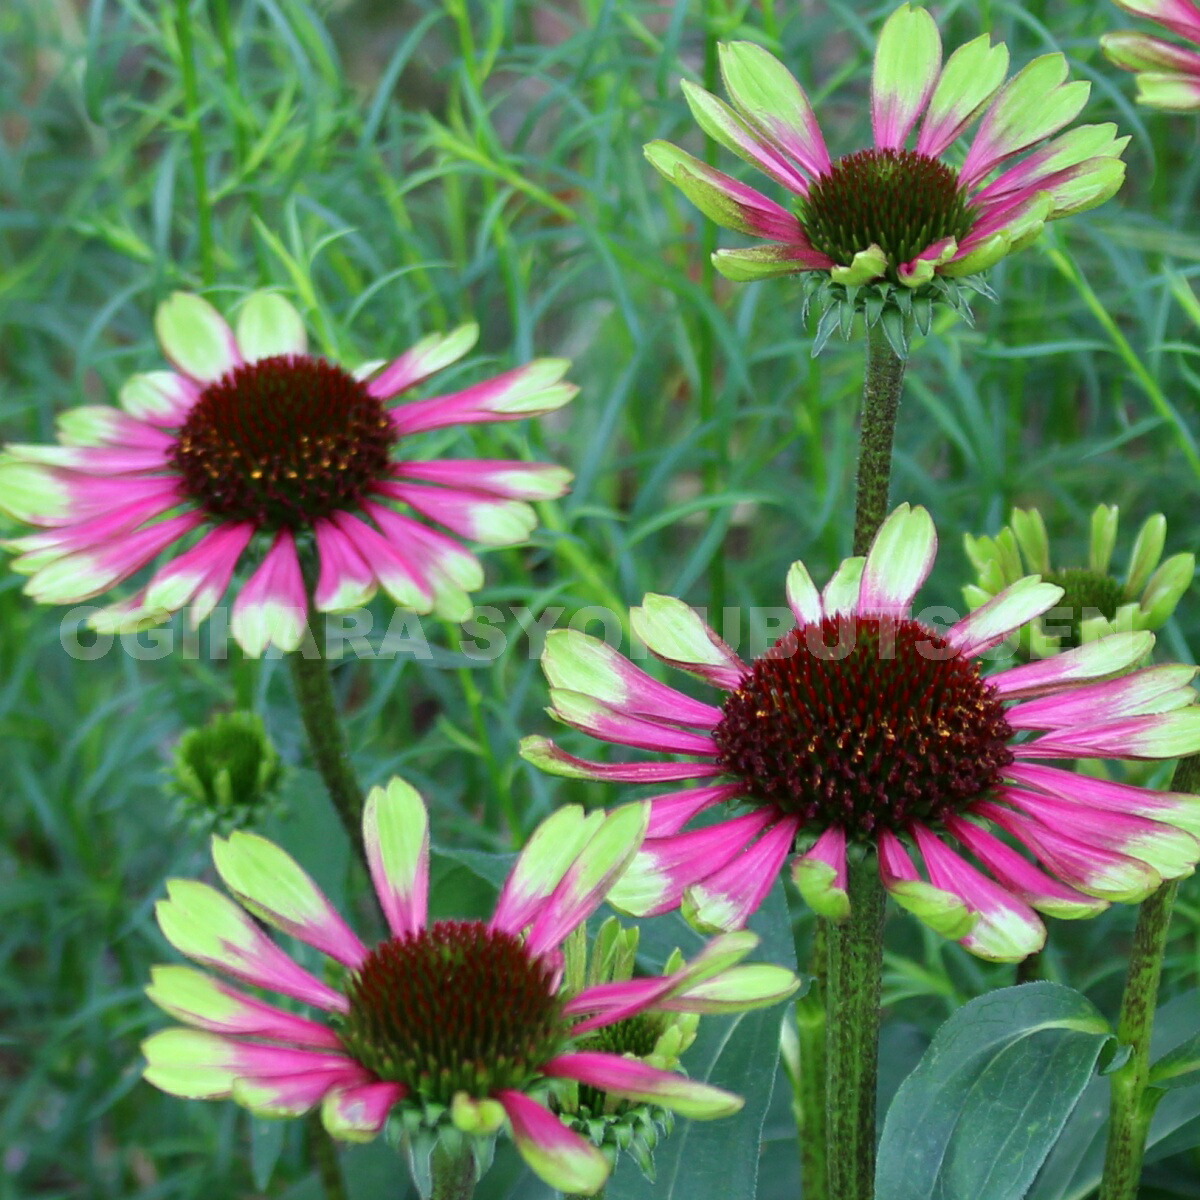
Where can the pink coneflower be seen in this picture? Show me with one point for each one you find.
(461, 1023)
(1168, 74)
(864, 730)
(896, 213)
(252, 439)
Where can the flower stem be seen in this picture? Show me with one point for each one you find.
(853, 990)
(1133, 1101)
(326, 737)
(881, 402)
(809, 1101)
(191, 103)
(453, 1172)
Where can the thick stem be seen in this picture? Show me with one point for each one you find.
(326, 738)
(453, 1172)
(323, 1151)
(1133, 1103)
(853, 990)
(810, 1079)
(881, 402)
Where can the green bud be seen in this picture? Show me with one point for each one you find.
(226, 773)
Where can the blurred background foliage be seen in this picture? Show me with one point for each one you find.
(397, 167)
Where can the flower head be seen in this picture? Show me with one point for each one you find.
(252, 439)
(656, 1038)
(227, 772)
(866, 731)
(454, 1027)
(1167, 74)
(1094, 602)
(891, 227)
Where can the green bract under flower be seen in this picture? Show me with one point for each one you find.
(1094, 603)
(889, 230)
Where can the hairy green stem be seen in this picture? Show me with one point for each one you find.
(453, 1172)
(810, 1078)
(326, 737)
(881, 403)
(1133, 1102)
(853, 990)
(191, 103)
(323, 1152)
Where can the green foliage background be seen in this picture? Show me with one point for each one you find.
(397, 167)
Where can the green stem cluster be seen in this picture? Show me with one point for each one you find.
(1133, 1100)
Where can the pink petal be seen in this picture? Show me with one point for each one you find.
(396, 573)
(511, 479)
(560, 1156)
(345, 580)
(202, 573)
(728, 897)
(670, 813)
(272, 607)
(545, 754)
(611, 725)
(1156, 689)
(1097, 660)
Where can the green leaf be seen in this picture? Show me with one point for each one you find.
(1179, 1068)
(266, 1145)
(1073, 1169)
(990, 1096)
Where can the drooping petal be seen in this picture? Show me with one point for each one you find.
(553, 846)
(396, 839)
(971, 77)
(160, 397)
(727, 898)
(395, 572)
(548, 757)
(820, 875)
(665, 867)
(528, 391)
(509, 478)
(433, 353)
(739, 989)
(633, 1079)
(1096, 660)
(103, 425)
(195, 337)
(576, 662)
(670, 813)
(1181, 809)
(1083, 865)
(358, 1112)
(471, 515)
(199, 576)
(293, 1093)
(1164, 735)
(723, 199)
(773, 104)
(213, 931)
(612, 725)
(1035, 103)
(1002, 615)
(921, 269)
(1154, 690)
(557, 1155)
(589, 879)
(674, 633)
(1021, 877)
(272, 608)
(908, 57)
(733, 132)
(945, 912)
(345, 580)
(899, 561)
(269, 883)
(268, 326)
(1179, 16)
(1007, 930)
(769, 261)
(205, 1002)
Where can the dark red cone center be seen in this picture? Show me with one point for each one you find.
(457, 1007)
(283, 442)
(864, 723)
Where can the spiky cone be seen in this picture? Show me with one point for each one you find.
(865, 733)
(1095, 602)
(655, 1037)
(890, 229)
(1167, 74)
(252, 450)
(455, 1029)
